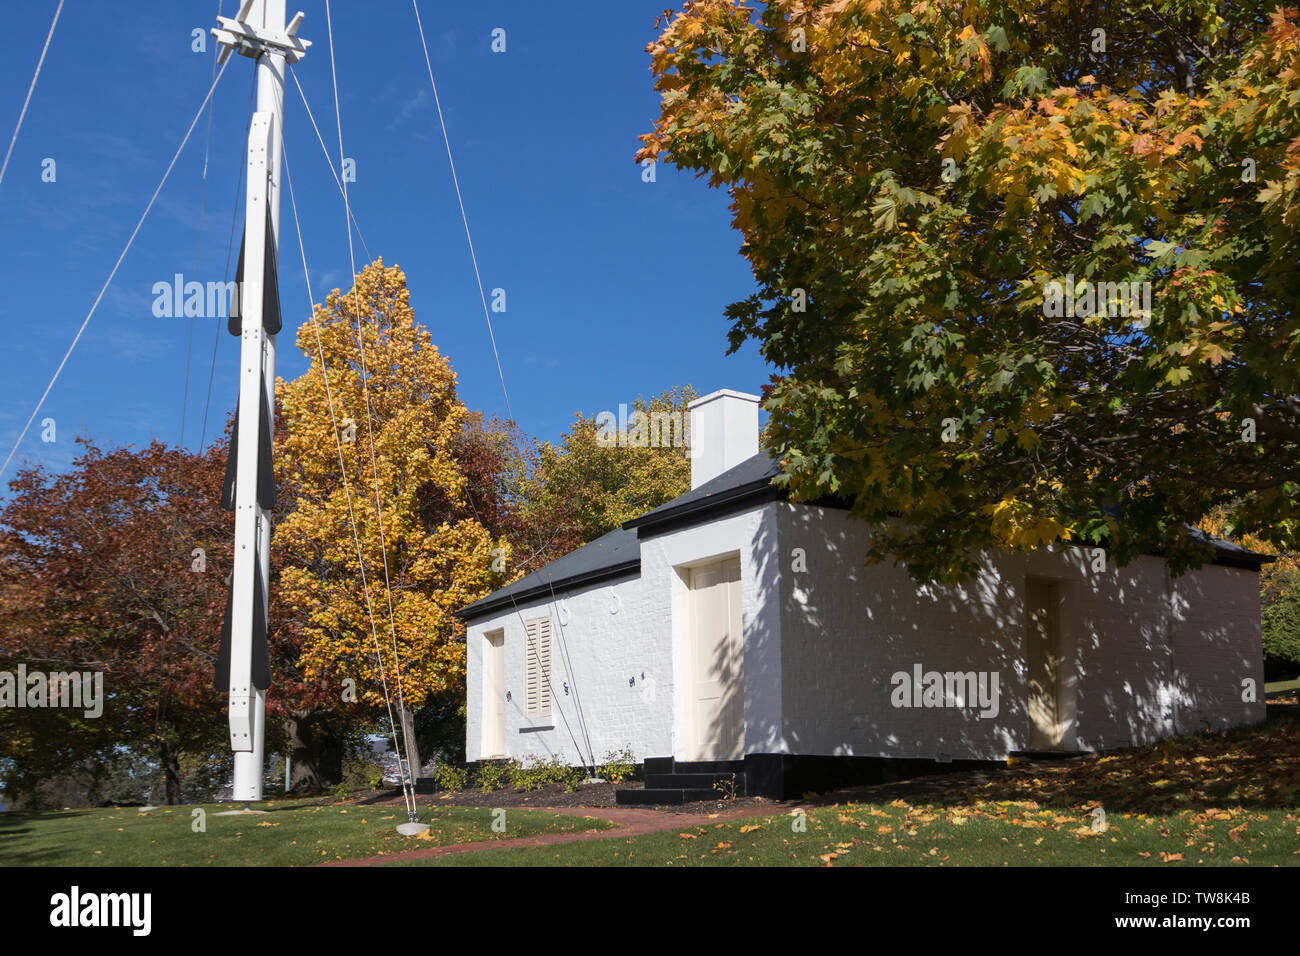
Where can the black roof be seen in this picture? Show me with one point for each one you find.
(618, 554)
(1230, 553)
(737, 486)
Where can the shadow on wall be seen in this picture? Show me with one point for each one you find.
(846, 629)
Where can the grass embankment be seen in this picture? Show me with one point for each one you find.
(293, 833)
(1223, 799)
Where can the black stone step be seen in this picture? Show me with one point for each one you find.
(688, 781)
(426, 785)
(658, 765)
(664, 796)
(708, 766)
(1044, 754)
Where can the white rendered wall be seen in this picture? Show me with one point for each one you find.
(752, 535)
(645, 638)
(822, 644)
(724, 433)
(605, 651)
(1217, 647)
(846, 629)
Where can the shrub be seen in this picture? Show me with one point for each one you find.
(519, 775)
(572, 778)
(342, 790)
(539, 773)
(1281, 626)
(450, 778)
(362, 773)
(726, 787)
(495, 774)
(618, 765)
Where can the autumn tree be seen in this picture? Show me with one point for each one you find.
(116, 567)
(496, 458)
(120, 565)
(602, 473)
(1027, 270)
(380, 559)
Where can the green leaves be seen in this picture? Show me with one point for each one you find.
(1026, 81)
(1080, 172)
(885, 211)
(1093, 204)
(997, 38)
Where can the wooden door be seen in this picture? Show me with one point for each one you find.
(715, 663)
(1043, 659)
(494, 695)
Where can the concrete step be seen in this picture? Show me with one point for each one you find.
(692, 781)
(708, 766)
(663, 796)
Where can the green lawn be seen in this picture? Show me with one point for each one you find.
(1224, 798)
(294, 833)
(1281, 688)
(1007, 833)
(1221, 798)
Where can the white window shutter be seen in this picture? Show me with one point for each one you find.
(537, 667)
(544, 640)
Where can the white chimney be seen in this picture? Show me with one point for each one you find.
(724, 432)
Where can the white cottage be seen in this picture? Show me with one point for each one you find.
(698, 637)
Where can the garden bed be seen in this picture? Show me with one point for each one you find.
(553, 795)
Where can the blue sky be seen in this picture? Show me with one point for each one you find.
(615, 287)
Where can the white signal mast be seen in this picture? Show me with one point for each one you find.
(257, 31)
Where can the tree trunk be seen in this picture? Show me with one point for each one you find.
(316, 751)
(407, 717)
(303, 775)
(169, 760)
(1183, 67)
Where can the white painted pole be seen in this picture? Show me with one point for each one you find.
(257, 370)
(245, 725)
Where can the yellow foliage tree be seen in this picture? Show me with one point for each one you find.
(1278, 577)
(378, 403)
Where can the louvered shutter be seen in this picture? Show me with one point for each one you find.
(537, 667)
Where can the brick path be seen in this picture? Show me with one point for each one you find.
(630, 821)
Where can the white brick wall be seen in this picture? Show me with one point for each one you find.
(752, 535)
(644, 637)
(1217, 646)
(596, 653)
(845, 629)
(821, 646)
